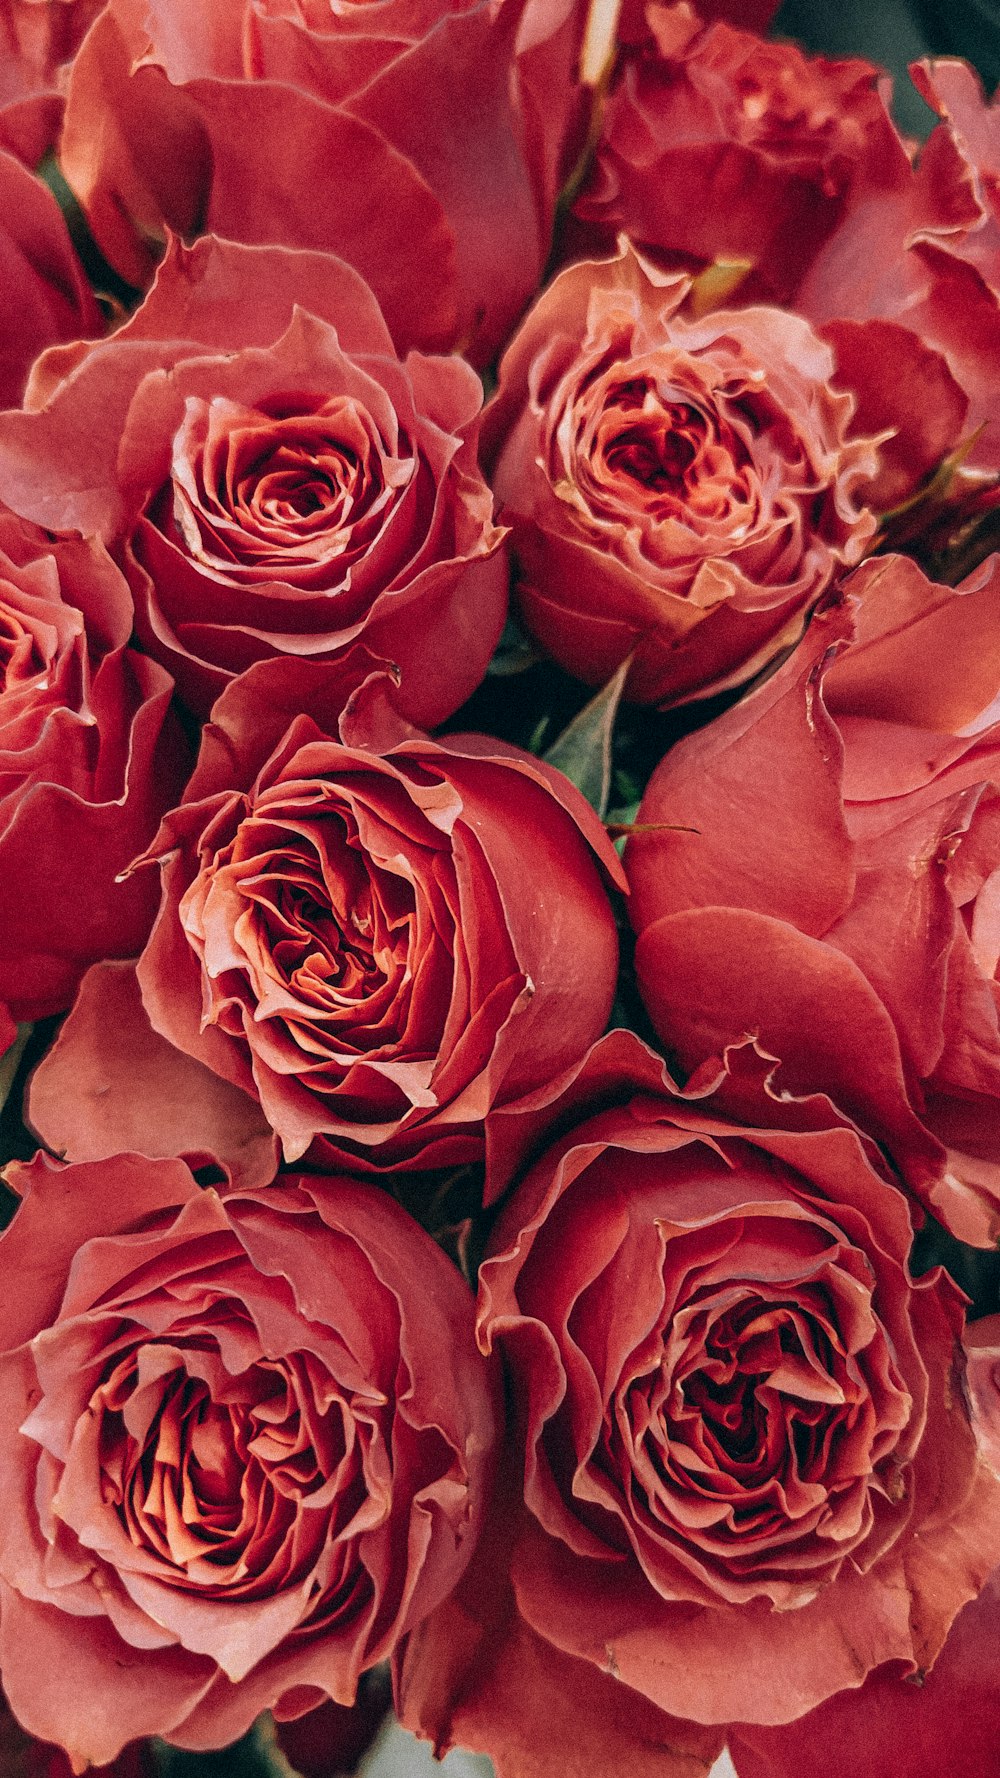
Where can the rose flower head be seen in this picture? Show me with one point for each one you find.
(273, 479)
(718, 146)
(834, 890)
(247, 1443)
(378, 936)
(750, 1475)
(680, 489)
(90, 757)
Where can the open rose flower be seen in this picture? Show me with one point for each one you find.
(233, 121)
(750, 1475)
(246, 1446)
(835, 889)
(781, 177)
(349, 935)
(680, 490)
(272, 477)
(90, 758)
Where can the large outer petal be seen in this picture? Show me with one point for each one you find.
(475, 1675)
(110, 1085)
(895, 1727)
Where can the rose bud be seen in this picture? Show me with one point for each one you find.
(272, 478)
(378, 936)
(680, 490)
(90, 758)
(750, 1476)
(246, 1444)
(831, 879)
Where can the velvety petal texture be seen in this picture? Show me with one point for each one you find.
(90, 757)
(832, 890)
(348, 936)
(247, 1446)
(271, 477)
(750, 1475)
(234, 123)
(893, 1727)
(681, 488)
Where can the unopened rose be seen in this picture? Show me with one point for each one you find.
(89, 760)
(681, 490)
(246, 1445)
(749, 1471)
(378, 936)
(272, 477)
(831, 882)
(254, 121)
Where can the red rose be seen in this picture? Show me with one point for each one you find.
(273, 478)
(784, 177)
(246, 1446)
(836, 894)
(749, 1472)
(233, 123)
(679, 489)
(89, 760)
(379, 936)
(719, 146)
(38, 43)
(21, 1756)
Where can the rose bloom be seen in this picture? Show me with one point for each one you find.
(90, 758)
(232, 121)
(680, 489)
(348, 934)
(246, 1445)
(46, 297)
(784, 178)
(272, 477)
(835, 893)
(719, 146)
(750, 1475)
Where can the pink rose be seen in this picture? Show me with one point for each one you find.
(350, 934)
(749, 1477)
(89, 760)
(680, 489)
(272, 477)
(247, 1445)
(833, 892)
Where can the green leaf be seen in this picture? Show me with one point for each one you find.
(583, 750)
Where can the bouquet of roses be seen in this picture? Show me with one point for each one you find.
(500, 891)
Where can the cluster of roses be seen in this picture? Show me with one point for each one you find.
(256, 541)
